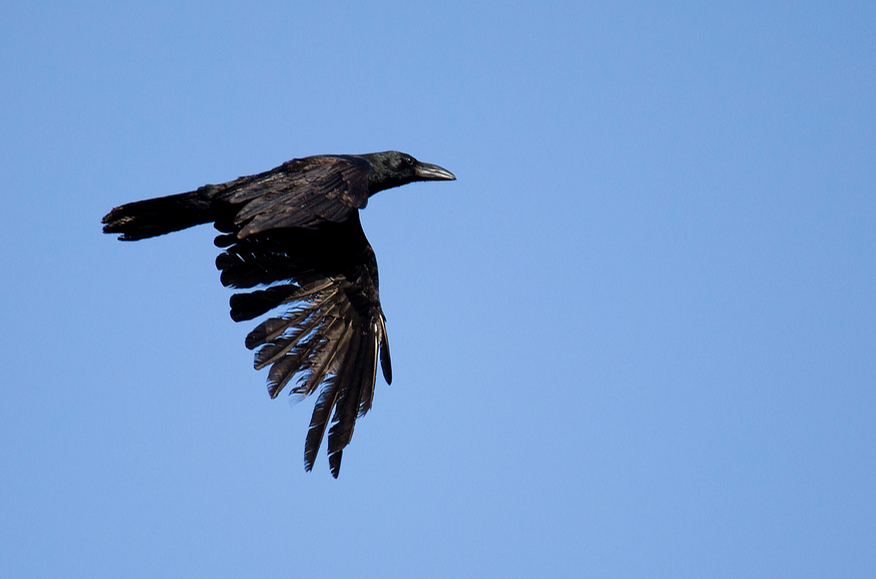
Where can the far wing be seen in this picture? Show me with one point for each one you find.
(299, 193)
(333, 328)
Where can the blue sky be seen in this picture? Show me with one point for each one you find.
(635, 338)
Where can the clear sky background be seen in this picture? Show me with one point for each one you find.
(636, 338)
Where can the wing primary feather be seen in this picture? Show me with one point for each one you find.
(328, 397)
(272, 352)
(366, 396)
(348, 402)
(268, 330)
(284, 369)
(321, 412)
(335, 340)
(272, 328)
(385, 361)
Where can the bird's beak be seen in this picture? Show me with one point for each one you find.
(429, 172)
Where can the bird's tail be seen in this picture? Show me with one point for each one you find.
(142, 219)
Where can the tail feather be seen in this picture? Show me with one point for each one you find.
(142, 219)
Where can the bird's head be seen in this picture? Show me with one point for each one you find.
(393, 168)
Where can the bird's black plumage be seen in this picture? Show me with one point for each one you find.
(292, 237)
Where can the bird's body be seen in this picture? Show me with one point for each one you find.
(292, 236)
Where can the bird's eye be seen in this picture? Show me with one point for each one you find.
(408, 160)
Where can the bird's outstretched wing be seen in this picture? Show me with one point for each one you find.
(299, 193)
(331, 334)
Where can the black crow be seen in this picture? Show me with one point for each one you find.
(292, 237)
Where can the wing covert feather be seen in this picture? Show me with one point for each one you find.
(300, 193)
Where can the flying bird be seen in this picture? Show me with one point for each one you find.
(291, 237)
